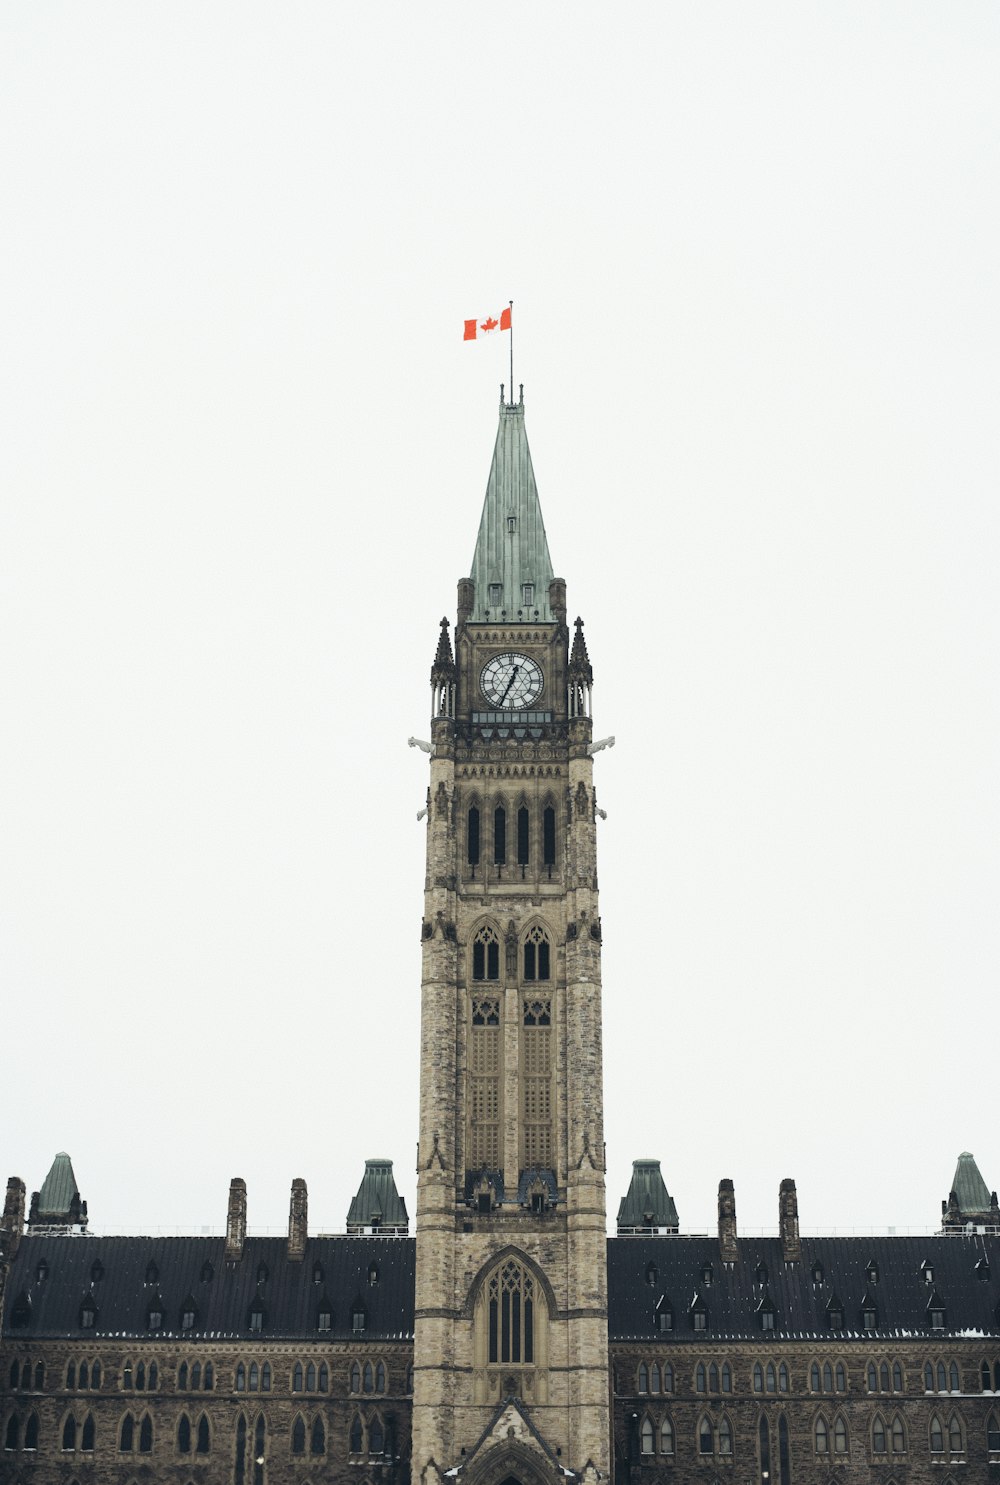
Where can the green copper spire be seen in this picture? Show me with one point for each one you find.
(511, 569)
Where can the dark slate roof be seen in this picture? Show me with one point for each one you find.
(647, 1203)
(734, 1295)
(291, 1295)
(59, 1188)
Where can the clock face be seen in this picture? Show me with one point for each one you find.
(511, 681)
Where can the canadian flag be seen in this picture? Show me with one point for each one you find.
(476, 329)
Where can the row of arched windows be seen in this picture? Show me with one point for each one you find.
(884, 1378)
(712, 1436)
(197, 1437)
(368, 1378)
(194, 1377)
(83, 1378)
(827, 1377)
(503, 851)
(139, 1379)
(253, 1378)
(367, 1435)
(25, 1379)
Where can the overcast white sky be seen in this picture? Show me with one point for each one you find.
(752, 250)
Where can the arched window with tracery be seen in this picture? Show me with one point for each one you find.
(486, 954)
(511, 1308)
(646, 1437)
(536, 954)
(536, 1083)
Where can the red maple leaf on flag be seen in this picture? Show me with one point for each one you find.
(490, 324)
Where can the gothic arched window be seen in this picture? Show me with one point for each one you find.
(184, 1434)
(126, 1434)
(666, 1437)
(146, 1435)
(522, 836)
(357, 1435)
(500, 835)
(299, 1435)
(549, 836)
(486, 954)
(511, 1308)
(317, 1439)
(204, 1438)
(646, 1445)
(472, 836)
(31, 1432)
(537, 955)
(821, 1435)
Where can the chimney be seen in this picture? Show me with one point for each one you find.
(12, 1225)
(727, 1223)
(788, 1222)
(298, 1221)
(236, 1220)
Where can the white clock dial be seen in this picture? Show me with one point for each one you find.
(511, 682)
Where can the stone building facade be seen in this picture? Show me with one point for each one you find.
(509, 1340)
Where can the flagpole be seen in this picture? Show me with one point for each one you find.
(511, 352)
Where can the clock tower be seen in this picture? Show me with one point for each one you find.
(511, 1334)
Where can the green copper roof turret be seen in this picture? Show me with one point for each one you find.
(378, 1205)
(647, 1203)
(511, 568)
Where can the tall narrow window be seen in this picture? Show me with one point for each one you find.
(472, 836)
(937, 1435)
(726, 1436)
(549, 836)
(357, 1438)
(11, 1436)
(126, 1435)
(839, 1436)
(317, 1439)
(258, 1451)
(299, 1435)
(537, 955)
(69, 1433)
(764, 1436)
(31, 1432)
(646, 1437)
(485, 1068)
(499, 835)
(486, 955)
(522, 836)
(146, 1435)
(666, 1437)
(536, 1085)
(822, 1436)
(783, 1451)
(204, 1439)
(240, 1473)
(184, 1434)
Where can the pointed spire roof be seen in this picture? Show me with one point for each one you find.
(970, 1188)
(647, 1203)
(511, 548)
(378, 1204)
(444, 661)
(58, 1189)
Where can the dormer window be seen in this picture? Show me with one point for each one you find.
(324, 1319)
(152, 1274)
(706, 1273)
(96, 1272)
(927, 1272)
(511, 523)
(154, 1315)
(20, 1315)
(762, 1273)
(495, 591)
(817, 1274)
(663, 1314)
(527, 594)
(207, 1273)
(257, 1318)
(188, 1315)
(262, 1273)
(359, 1319)
(869, 1318)
(88, 1314)
(318, 1274)
(41, 1272)
(651, 1274)
(871, 1271)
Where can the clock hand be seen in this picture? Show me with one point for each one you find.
(513, 678)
